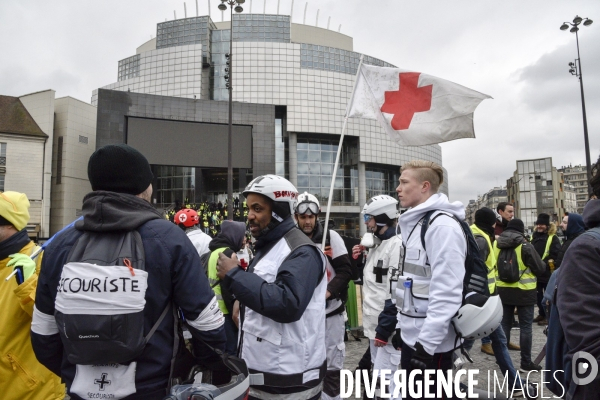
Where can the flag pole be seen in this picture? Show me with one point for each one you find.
(337, 157)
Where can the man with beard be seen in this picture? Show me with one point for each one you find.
(380, 317)
(339, 273)
(506, 211)
(547, 245)
(282, 296)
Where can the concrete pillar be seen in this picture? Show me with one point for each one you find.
(362, 194)
(293, 157)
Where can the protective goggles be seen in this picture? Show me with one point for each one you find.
(305, 208)
(367, 217)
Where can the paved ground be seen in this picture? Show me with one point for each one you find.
(355, 349)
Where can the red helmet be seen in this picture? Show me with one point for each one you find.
(186, 217)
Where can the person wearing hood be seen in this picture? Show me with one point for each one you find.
(513, 246)
(384, 248)
(572, 226)
(23, 377)
(121, 201)
(578, 287)
(547, 245)
(430, 286)
(281, 295)
(230, 240)
(339, 273)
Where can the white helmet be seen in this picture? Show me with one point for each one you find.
(381, 204)
(307, 203)
(474, 321)
(278, 189)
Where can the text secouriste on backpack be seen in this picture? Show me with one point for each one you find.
(101, 298)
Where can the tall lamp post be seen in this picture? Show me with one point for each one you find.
(575, 69)
(234, 5)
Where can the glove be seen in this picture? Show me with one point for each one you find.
(24, 263)
(420, 359)
(397, 340)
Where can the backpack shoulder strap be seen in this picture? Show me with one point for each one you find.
(427, 220)
(295, 238)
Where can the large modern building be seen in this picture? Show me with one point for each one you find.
(489, 199)
(537, 187)
(291, 83)
(576, 175)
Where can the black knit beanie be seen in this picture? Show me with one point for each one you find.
(119, 168)
(516, 225)
(485, 216)
(543, 219)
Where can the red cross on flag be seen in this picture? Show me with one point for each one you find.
(415, 109)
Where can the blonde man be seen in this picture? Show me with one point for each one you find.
(434, 272)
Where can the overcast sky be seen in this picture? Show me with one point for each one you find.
(511, 50)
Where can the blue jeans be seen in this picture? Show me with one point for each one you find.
(525, 314)
(486, 340)
(499, 345)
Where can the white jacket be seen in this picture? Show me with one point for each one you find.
(437, 275)
(285, 348)
(200, 240)
(376, 293)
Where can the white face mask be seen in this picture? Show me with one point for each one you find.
(369, 240)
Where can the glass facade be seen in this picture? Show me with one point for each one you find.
(219, 44)
(185, 31)
(281, 150)
(381, 180)
(536, 191)
(332, 59)
(173, 185)
(316, 159)
(129, 67)
(261, 28)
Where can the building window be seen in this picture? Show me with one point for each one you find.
(332, 59)
(2, 153)
(280, 149)
(83, 139)
(2, 182)
(316, 159)
(381, 180)
(59, 158)
(261, 28)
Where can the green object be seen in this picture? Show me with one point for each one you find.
(24, 262)
(352, 307)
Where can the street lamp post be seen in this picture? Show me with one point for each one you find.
(233, 5)
(575, 69)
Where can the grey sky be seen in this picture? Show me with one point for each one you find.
(511, 50)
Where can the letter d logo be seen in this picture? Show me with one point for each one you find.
(581, 364)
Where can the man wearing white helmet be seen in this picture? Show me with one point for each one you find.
(384, 254)
(339, 273)
(282, 295)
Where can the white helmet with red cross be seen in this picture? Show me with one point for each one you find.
(276, 188)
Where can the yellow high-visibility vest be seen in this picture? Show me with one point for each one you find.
(528, 280)
(490, 262)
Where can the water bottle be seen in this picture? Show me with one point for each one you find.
(407, 306)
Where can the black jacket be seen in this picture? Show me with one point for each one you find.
(578, 287)
(174, 275)
(510, 239)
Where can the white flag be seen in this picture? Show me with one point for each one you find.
(415, 109)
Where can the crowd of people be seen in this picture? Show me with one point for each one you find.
(210, 214)
(123, 304)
